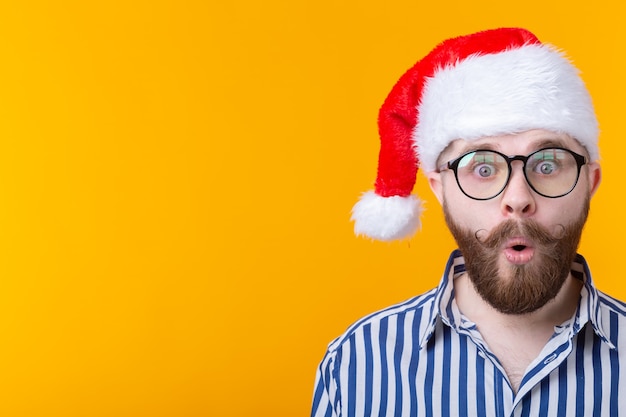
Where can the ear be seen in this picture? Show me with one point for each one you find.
(594, 176)
(434, 180)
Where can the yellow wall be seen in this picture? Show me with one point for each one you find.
(176, 179)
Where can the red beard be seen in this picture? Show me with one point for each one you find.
(519, 289)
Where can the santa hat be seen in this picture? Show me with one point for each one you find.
(490, 83)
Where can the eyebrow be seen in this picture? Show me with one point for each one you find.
(544, 143)
(471, 147)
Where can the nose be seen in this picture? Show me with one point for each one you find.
(518, 199)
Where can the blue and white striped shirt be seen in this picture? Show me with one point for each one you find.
(423, 358)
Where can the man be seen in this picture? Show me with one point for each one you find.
(505, 131)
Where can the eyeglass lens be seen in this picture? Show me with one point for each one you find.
(550, 172)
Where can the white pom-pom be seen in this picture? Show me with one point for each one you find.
(386, 218)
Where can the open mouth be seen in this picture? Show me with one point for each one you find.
(519, 251)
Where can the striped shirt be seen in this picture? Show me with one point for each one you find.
(423, 358)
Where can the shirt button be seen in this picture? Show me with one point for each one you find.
(549, 359)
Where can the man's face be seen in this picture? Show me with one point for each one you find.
(518, 246)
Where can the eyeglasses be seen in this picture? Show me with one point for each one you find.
(484, 174)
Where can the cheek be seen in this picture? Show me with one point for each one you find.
(468, 213)
(564, 209)
(562, 213)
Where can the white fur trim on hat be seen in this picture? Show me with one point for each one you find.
(531, 87)
(386, 218)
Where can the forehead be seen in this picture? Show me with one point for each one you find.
(514, 144)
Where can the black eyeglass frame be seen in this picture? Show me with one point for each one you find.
(453, 165)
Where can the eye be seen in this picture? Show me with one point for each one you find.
(546, 167)
(549, 162)
(484, 170)
(481, 165)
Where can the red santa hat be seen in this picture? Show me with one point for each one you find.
(489, 83)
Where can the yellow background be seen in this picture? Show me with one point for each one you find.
(176, 179)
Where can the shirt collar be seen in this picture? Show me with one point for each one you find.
(589, 306)
(444, 308)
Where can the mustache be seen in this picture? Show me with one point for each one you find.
(528, 228)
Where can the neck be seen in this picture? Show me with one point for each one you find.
(516, 340)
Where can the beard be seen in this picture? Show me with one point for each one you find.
(519, 289)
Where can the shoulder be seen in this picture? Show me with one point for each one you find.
(611, 318)
(415, 314)
(611, 304)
